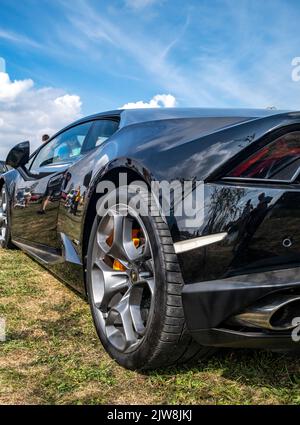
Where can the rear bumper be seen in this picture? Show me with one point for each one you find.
(208, 305)
(234, 339)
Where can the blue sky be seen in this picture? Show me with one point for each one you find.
(223, 53)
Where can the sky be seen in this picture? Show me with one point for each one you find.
(64, 59)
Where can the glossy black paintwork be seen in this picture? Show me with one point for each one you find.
(212, 303)
(170, 145)
(257, 218)
(135, 116)
(209, 307)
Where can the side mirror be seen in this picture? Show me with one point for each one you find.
(19, 155)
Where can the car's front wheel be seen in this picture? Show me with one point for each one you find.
(134, 287)
(5, 236)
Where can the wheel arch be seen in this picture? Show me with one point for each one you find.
(9, 179)
(90, 213)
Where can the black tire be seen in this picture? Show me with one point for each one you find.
(166, 341)
(5, 239)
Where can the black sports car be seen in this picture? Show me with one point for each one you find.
(165, 286)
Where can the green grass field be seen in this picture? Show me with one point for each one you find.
(52, 356)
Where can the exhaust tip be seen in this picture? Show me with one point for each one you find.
(275, 312)
(282, 318)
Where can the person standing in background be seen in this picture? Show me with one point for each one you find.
(45, 138)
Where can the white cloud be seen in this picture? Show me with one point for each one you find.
(26, 113)
(10, 90)
(158, 101)
(67, 105)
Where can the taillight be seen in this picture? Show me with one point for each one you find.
(280, 159)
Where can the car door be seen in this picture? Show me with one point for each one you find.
(78, 177)
(38, 187)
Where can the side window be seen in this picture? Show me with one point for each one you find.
(279, 160)
(101, 131)
(65, 148)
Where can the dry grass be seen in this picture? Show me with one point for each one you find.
(52, 356)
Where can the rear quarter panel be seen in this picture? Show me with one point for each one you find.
(177, 149)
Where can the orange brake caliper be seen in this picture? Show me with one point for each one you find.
(135, 237)
(136, 240)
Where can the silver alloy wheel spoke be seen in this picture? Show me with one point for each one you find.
(118, 227)
(123, 246)
(149, 265)
(113, 282)
(147, 278)
(113, 227)
(122, 235)
(136, 294)
(122, 311)
(151, 283)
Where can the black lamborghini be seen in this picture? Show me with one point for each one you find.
(164, 289)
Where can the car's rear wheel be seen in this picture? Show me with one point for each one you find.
(134, 287)
(5, 236)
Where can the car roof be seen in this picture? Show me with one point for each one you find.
(142, 115)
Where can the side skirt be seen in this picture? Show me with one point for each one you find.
(64, 263)
(44, 255)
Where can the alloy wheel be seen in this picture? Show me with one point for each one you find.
(122, 277)
(3, 216)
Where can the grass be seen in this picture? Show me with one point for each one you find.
(52, 356)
